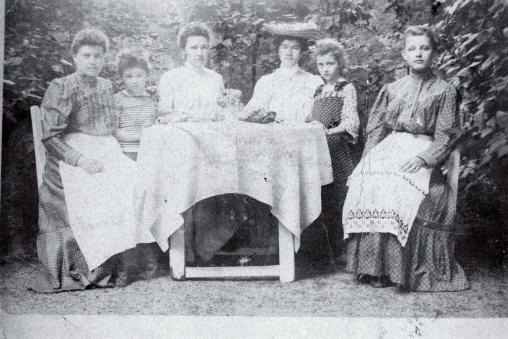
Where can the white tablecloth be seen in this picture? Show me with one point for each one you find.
(283, 166)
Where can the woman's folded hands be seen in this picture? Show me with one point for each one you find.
(413, 165)
(91, 166)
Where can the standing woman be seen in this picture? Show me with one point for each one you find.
(335, 107)
(87, 181)
(193, 92)
(289, 90)
(396, 213)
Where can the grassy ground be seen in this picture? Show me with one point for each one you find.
(319, 291)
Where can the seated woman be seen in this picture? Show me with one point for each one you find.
(288, 91)
(335, 107)
(87, 189)
(193, 92)
(395, 215)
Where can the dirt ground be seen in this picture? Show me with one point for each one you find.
(320, 290)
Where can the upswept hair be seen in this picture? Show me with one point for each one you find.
(89, 37)
(194, 28)
(329, 45)
(279, 39)
(133, 57)
(419, 31)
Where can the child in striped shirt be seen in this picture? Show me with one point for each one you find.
(134, 107)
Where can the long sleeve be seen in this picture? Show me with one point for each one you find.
(166, 94)
(56, 108)
(447, 117)
(260, 96)
(349, 117)
(376, 130)
(222, 89)
(117, 109)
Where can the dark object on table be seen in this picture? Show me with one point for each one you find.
(260, 116)
(269, 117)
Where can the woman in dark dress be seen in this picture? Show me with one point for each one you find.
(77, 125)
(396, 214)
(335, 107)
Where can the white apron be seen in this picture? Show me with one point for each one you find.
(382, 198)
(100, 206)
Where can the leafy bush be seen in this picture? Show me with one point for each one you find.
(474, 58)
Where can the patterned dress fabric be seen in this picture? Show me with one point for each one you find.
(419, 104)
(73, 104)
(289, 93)
(337, 108)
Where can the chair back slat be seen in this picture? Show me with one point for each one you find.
(453, 178)
(40, 151)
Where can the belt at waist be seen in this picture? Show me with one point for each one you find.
(418, 136)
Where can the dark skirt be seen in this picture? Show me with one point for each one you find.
(209, 224)
(228, 223)
(64, 266)
(427, 261)
(332, 202)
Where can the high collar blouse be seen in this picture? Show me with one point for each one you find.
(289, 93)
(192, 90)
(418, 104)
(75, 104)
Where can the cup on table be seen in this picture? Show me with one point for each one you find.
(232, 103)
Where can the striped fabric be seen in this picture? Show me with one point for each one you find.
(134, 113)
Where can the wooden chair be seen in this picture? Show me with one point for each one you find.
(39, 150)
(452, 176)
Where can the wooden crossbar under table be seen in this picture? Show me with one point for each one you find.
(285, 271)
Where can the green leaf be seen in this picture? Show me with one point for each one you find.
(486, 131)
(452, 69)
(464, 73)
(66, 63)
(57, 68)
(503, 151)
(487, 63)
(14, 61)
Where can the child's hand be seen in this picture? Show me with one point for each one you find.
(152, 90)
(147, 124)
(91, 166)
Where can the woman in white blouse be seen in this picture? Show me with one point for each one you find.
(289, 90)
(192, 91)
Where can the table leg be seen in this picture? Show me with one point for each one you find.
(286, 254)
(177, 254)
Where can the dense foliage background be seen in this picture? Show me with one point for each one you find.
(473, 58)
